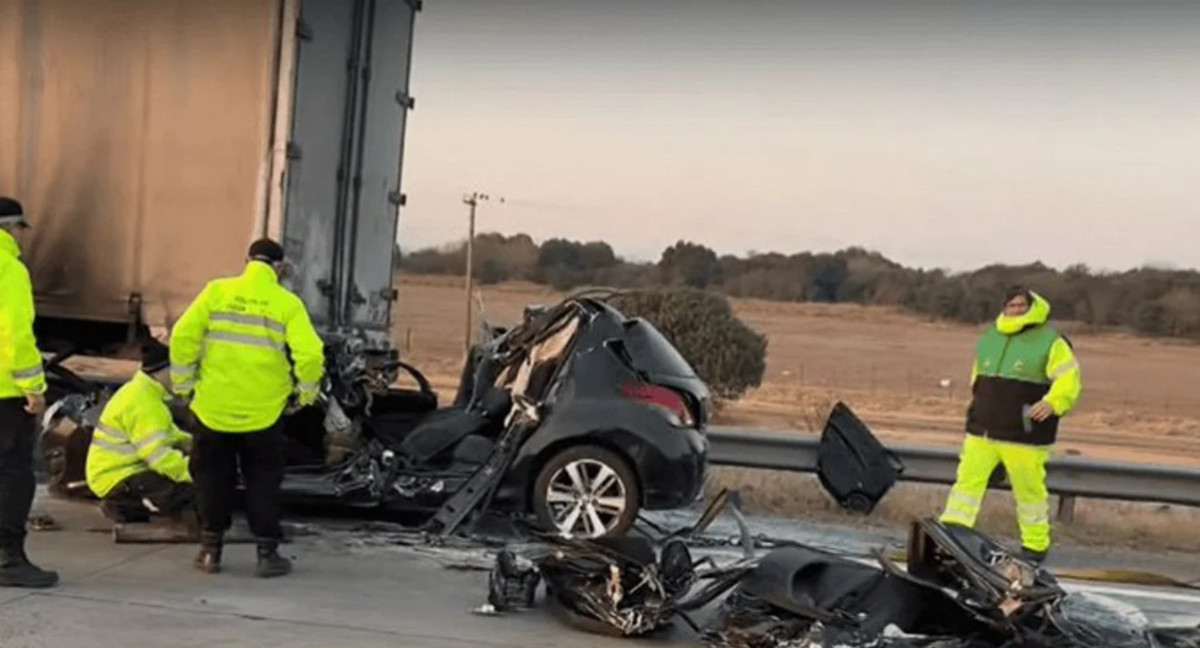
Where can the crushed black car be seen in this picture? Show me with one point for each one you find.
(578, 415)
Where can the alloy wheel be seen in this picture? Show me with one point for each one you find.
(586, 498)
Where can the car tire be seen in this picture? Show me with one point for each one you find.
(859, 503)
(559, 496)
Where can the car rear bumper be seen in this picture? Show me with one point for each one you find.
(677, 480)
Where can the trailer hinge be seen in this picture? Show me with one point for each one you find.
(398, 199)
(388, 294)
(325, 286)
(405, 99)
(303, 30)
(415, 4)
(356, 297)
(293, 151)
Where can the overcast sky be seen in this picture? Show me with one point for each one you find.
(941, 134)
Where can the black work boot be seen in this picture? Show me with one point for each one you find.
(209, 558)
(270, 563)
(17, 571)
(1035, 557)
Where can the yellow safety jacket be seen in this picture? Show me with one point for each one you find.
(1019, 361)
(230, 352)
(135, 435)
(21, 370)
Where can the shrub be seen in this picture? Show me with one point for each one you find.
(725, 352)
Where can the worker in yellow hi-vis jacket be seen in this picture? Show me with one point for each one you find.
(1024, 379)
(22, 400)
(136, 462)
(230, 355)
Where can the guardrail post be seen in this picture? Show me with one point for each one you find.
(1066, 509)
(1066, 503)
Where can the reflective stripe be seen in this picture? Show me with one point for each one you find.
(243, 338)
(116, 434)
(183, 385)
(122, 448)
(157, 456)
(120, 441)
(1063, 370)
(961, 508)
(1033, 513)
(183, 370)
(307, 387)
(151, 440)
(242, 318)
(964, 500)
(25, 374)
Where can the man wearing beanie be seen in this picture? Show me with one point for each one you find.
(135, 463)
(243, 352)
(22, 400)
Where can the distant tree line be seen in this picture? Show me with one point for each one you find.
(1149, 301)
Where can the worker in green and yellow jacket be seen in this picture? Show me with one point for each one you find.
(22, 400)
(1024, 379)
(136, 462)
(230, 355)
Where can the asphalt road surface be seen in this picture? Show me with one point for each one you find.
(347, 590)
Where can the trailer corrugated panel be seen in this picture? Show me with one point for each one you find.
(137, 135)
(350, 106)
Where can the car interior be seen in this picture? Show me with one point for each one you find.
(458, 436)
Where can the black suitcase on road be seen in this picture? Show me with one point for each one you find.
(852, 464)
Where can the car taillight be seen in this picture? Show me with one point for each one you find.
(668, 400)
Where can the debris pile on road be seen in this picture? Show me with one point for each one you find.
(626, 586)
(960, 589)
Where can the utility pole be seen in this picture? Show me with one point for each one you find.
(472, 201)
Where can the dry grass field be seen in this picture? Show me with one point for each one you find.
(1140, 400)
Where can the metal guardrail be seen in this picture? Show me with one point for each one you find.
(1068, 476)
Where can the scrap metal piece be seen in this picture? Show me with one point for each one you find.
(477, 492)
(987, 579)
(512, 583)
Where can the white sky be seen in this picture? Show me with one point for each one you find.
(941, 134)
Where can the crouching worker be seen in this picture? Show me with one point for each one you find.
(135, 464)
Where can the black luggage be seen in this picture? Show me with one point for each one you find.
(852, 464)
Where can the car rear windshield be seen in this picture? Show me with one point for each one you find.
(652, 352)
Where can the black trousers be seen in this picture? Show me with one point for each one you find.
(127, 502)
(18, 436)
(214, 463)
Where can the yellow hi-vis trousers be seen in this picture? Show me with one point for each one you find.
(1026, 467)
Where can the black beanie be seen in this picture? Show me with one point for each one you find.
(266, 250)
(155, 356)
